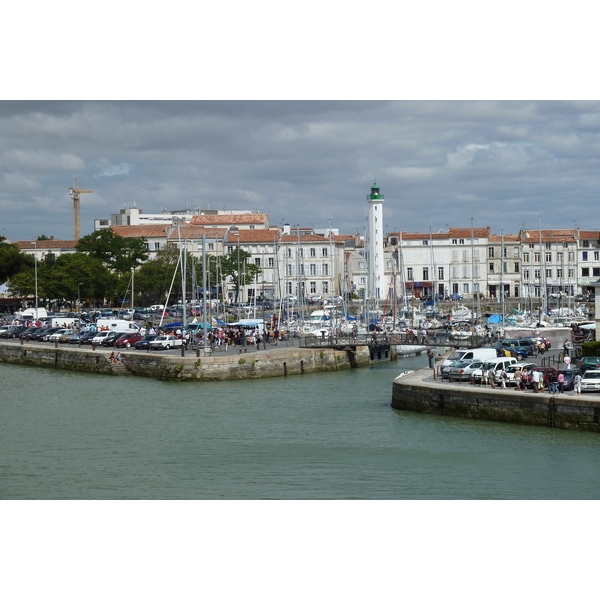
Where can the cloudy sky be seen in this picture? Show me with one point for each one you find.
(438, 163)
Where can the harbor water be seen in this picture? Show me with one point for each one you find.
(69, 435)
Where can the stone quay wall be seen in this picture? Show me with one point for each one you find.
(419, 392)
(281, 361)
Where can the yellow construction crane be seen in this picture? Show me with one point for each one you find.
(74, 193)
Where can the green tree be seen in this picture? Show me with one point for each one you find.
(12, 260)
(116, 252)
(236, 266)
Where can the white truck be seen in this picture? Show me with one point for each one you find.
(67, 322)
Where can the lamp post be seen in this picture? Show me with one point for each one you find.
(36, 280)
(79, 309)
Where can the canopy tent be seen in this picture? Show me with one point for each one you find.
(495, 319)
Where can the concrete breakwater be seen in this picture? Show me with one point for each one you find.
(419, 392)
(279, 361)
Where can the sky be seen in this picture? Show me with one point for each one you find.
(505, 164)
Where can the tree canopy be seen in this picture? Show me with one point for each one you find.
(116, 252)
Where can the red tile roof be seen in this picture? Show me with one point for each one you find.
(250, 219)
(46, 244)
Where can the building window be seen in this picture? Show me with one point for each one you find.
(536, 274)
(409, 273)
(491, 268)
(440, 273)
(313, 252)
(490, 252)
(526, 257)
(505, 267)
(516, 267)
(288, 270)
(548, 273)
(425, 242)
(312, 270)
(325, 253)
(548, 257)
(584, 256)
(257, 262)
(515, 252)
(325, 288)
(361, 264)
(596, 272)
(571, 256)
(559, 257)
(586, 243)
(596, 255)
(536, 257)
(288, 252)
(585, 271)
(526, 274)
(271, 262)
(454, 241)
(313, 287)
(325, 269)
(425, 273)
(461, 241)
(571, 272)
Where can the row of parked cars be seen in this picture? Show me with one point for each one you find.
(467, 365)
(100, 338)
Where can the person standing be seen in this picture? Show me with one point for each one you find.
(484, 376)
(503, 378)
(431, 357)
(518, 375)
(561, 383)
(577, 384)
(535, 381)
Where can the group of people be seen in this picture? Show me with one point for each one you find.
(115, 358)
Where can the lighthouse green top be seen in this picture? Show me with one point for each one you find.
(375, 195)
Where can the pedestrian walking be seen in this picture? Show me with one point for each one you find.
(535, 381)
(517, 378)
(577, 384)
(484, 376)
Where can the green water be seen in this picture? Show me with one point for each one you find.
(324, 436)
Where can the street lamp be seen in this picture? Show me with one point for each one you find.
(79, 308)
(36, 280)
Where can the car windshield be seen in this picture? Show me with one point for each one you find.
(592, 375)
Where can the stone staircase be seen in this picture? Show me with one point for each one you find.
(118, 368)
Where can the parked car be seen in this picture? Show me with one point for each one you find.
(86, 337)
(519, 348)
(26, 335)
(590, 382)
(44, 336)
(54, 337)
(13, 331)
(144, 343)
(589, 362)
(165, 342)
(569, 378)
(547, 374)
(510, 371)
(455, 297)
(126, 340)
(494, 366)
(111, 338)
(462, 370)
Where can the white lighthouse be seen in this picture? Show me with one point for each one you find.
(375, 280)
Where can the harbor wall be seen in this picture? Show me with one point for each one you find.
(418, 392)
(251, 365)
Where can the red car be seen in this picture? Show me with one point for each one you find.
(127, 340)
(547, 372)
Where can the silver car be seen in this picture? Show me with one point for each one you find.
(462, 370)
(590, 381)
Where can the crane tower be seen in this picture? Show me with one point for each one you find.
(74, 193)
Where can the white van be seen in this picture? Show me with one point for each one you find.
(495, 366)
(471, 354)
(119, 325)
